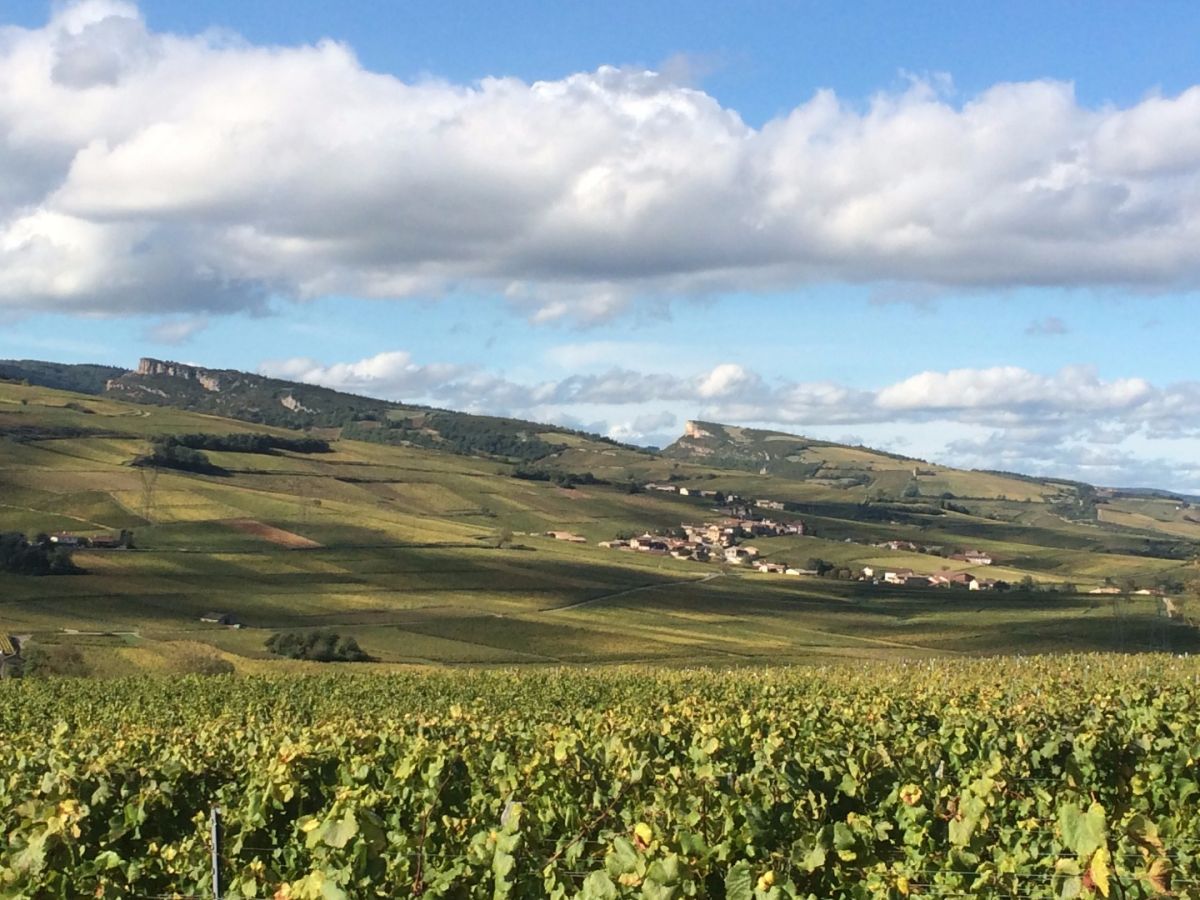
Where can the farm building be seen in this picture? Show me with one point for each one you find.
(113, 541)
(221, 618)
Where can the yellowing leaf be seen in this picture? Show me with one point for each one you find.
(1099, 870)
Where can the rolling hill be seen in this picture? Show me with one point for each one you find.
(430, 546)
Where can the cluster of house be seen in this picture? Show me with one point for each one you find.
(909, 578)
(123, 539)
(720, 540)
(972, 557)
(733, 501)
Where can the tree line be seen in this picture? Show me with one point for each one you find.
(19, 556)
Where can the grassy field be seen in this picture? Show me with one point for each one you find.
(399, 547)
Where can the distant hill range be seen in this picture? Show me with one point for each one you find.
(289, 404)
(851, 473)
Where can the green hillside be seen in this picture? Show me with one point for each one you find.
(854, 472)
(427, 556)
(289, 404)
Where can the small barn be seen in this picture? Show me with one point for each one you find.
(229, 620)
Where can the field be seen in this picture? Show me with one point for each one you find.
(1073, 776)
(432, 558)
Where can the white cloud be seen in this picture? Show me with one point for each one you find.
(155, 172)
(1003, 417)
(725, 380)
(176, 331)
(391, 375)
(658, 428)
(1010, 388)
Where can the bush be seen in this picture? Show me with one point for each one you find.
(320, 645)
(168, 453)
(195, 661)
(250, 443)
(54, 661)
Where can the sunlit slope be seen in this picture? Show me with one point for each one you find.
(435, 557)
(852, 472)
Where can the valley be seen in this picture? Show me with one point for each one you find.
(429, 556)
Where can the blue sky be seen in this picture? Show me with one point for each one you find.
(962, 230)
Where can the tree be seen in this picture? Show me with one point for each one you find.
(320, 645)
(818, 565)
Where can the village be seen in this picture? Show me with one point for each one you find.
(724, 541)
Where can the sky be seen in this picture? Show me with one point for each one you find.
(964, 232)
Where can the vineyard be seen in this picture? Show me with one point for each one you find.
(1021, 778)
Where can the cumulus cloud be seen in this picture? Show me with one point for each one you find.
(391, 375)
(1012, 417)
(1031, 451)
(1001, 396)
(155, 172)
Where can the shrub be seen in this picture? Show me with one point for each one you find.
(321, 645)
(54, 661)
(195, 661)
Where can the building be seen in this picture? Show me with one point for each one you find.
(229, 620)
(964, 579)
(974, 557)
(113, 541)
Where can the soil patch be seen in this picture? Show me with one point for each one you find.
(270, 533)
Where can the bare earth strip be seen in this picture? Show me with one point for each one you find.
(270, 533)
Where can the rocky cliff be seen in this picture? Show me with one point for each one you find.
(206, 378)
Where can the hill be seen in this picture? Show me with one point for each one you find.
(857, 472)
(430, 556)
(289, 404)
